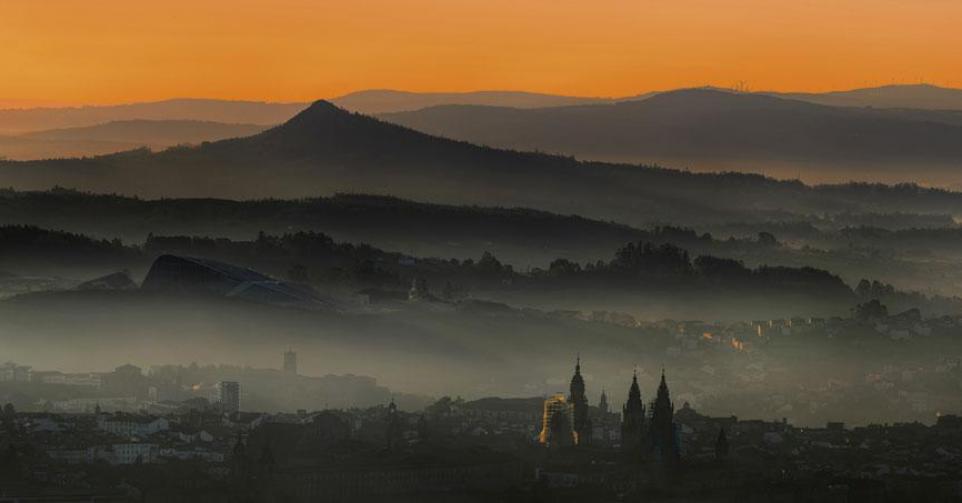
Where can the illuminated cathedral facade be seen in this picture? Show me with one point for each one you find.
(566, 421)
(647, 433)
(581, 421)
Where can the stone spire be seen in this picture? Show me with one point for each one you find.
(577, 382)
(579, 404)
(633, 421)
(663, 440)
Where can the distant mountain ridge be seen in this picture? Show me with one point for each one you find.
(325, 149)
(27, 134)
(919, 96)
(907, 96)
(169, 132)
(379, 101)
(14, 121)
(382, 101)
(118, 136)
(710, 130)
(694, 118)
(25, 120)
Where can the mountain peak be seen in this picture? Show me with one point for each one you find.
(700, 97)
(324, 129)
(319, 117)
(318, 109)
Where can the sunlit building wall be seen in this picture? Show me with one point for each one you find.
(550, 434)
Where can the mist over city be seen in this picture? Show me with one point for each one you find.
(475, 251)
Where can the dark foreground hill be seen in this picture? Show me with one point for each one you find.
(521, 236)
(706, 129)
(324, 150)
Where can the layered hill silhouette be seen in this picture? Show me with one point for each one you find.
(43, 133)
(921, 96)
(903, 96)
(325, 149)
(117, 136)
(706, 129)
(170, 132)
(16, 121)
(521, 236)
(378, 101)
(29, 120)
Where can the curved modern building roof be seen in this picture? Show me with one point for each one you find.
(178, 274)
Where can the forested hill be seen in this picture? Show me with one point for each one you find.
(523, 236)
(710, 130)
(324, 150)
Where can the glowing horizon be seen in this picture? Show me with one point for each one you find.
(71, 52)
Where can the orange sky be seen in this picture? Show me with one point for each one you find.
(108, 51)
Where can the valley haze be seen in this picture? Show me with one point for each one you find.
(539, 252)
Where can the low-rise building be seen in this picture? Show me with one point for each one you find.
(131, 425)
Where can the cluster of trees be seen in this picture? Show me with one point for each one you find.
(314, 257)
(24, 244)
(645, 263)
(522, 237)
(870, 310)
(900, 300)
(928, 240)
(31, 239)
(519, 234)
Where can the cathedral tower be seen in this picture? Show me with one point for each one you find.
(633, 422)
(579, 406)
(664, 443)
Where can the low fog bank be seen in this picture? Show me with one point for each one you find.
(841, 370)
